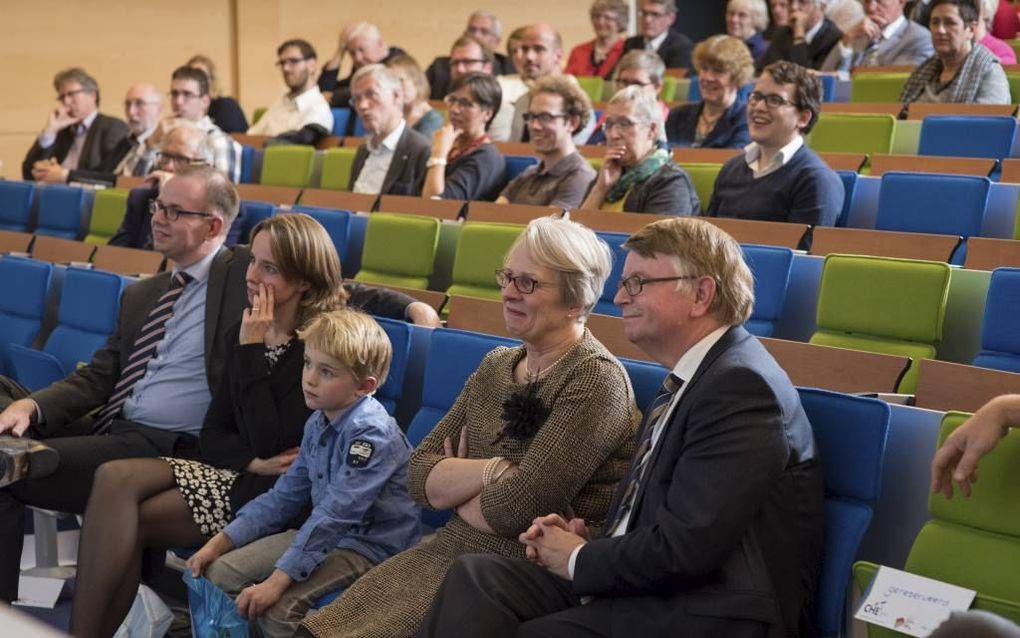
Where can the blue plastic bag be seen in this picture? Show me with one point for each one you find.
(213, 612)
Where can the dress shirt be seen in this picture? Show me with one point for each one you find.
(226, 150)
(752, 152)
(810, 35)
(137, 157)
(847, 51)
(294, 113)
(656, 42)
(380, 156)
(81, 132)
(353, 470)
(513, 88)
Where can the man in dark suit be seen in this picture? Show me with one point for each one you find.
(393, 160)
(153, 379)
(656, 17)
(76, 135)
(717, 529)
(807, 40)
(483, 28)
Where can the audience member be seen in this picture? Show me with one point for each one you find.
(884, 37)
(464, 163)
(844, 13)
(609, 20)
(392, 160)
(484, 28)
(960, 71)
(363, 42)
(968, 624)
(748, 20)
(303, 106)
(513, 44)
(919, 11)
(807, 40)
(639, 68)
(76, 134)
(417, 110)
(189, 100)
(544, 426)
(1006, 22)
(958, 458)
(717, 531)
(143, 106)
(560, 179)
(655, 17)
(147, 405)
(779, 17)
(351, 470)
(719, 120)
(983, 34)
(778, 178)
(487, 28)
(224, 110)
(638, 174)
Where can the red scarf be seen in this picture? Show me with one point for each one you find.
(458, 152)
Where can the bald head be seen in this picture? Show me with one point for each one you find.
(143, 106)
(540, 52)
(183, 145)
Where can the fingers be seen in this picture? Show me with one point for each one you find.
(243, 600)
(448, 448)
(462, 447)
(270, 300)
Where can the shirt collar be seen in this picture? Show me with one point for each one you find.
(342, 418)
(140, 139)
(892, 27)
(89, 119)
(691, 360)
(390, 141)
(657, 41)
(810, 35)
(199, 270)
(752, 152)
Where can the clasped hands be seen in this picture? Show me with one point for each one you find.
(551, 540)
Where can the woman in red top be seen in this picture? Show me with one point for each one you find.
(599, 56)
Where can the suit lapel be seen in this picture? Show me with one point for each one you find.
(396, 168)
(85, 159)
(357, 165)
(214, 297)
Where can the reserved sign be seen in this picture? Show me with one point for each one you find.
(909, 603)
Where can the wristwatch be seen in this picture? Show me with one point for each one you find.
(435, 161)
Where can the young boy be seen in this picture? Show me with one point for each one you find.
(352, 468)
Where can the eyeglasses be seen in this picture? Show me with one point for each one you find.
(454, 62)
(178, 160)
(459, 102)
(545, 119)
(621, 83)
(138, 104)
(282, 62)
(184, 95)
(369, 96)
(634, 284)
(66, 94)
(173, 213)
(771, 100)
(623, 123)
(523, 283)
(651, 14)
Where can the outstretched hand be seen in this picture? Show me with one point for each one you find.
(958, 458)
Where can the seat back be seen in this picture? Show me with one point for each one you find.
(853, 133)
(336, 168)
(877, 87)
(771, 267)
(399, 333)
(605, 305)
(703, 176)
(89, 304)
(931, 203)
(59, 212)
(1000, 338)
(399, 250)
(668, 92)
(287, 165)
(849, 179)
(24, 284)
(336, 222)
(884, 305)
(247, 164)
(481, 249)
(646, 379)
(251, 214)
(592, 85)
(967, 136)
(341, 120)
(850, 433)
(15, 204)
(515, 164)
(108, 209)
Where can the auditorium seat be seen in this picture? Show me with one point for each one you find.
(108, 209)
(853, 133)
(287, 165)
(399, 250)
(60, 211)
(127, 261)
(771, 267)
(250, 214)
(592, 85)
(967, 136)
(392, 389)
(515, 164)
(703, 176)
(849, 179)
(605, 305)
(877, 87)
(15, 204)
(341, 120)
(336, 222)
(481, 249)
(24, 285)
(336, 168)
(1000, 330)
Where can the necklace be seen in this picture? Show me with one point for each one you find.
(541, 372)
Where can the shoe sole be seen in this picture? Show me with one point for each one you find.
(42, 462)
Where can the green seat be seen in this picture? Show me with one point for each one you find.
(668, 91)
(971, 542)
(399, 250)
(853, 133)
(257, 114)
(336, 168)
(592, 85)
(877, 87)
(703, 176)
(595, 162)
(1014, 86)
(108, 210)
(287, 165)
(889, 306)
(481, 249)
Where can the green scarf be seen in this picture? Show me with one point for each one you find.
(648, 166)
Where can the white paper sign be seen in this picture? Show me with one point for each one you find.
(909, 603)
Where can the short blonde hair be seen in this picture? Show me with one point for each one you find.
(354, 339)
(618, 8)
(702, 249)
(758, 10)
(580, 259)
(726, 53)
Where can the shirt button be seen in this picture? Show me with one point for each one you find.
(304, 574)
(322, 443)
(320, 474)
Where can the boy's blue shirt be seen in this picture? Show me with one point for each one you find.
(354, 472)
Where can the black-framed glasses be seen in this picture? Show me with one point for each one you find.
(622, 84)
(623, 123)
(184, 95)
(651, 14)
(459, 102)
(66, 94)
(173, 213)
(163, 157)
(635, 284)
(282, 62)
(545, 119)
(771, 100)
(523, 283)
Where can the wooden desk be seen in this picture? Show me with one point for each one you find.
(919, 110)
(331, 141)
(1010, 171)
(883, 243)
(704, 155)
(61, 251)
(614, 222)
(127, 261)
(984, 253)
(432, 298)
(279, 195)
(747, 231)
(449, 209)
(14, 242)
(507, 213)
(127, 182)
(852, 162)
(952, 386)
(256, 141)
(342, 200)
(882, 163)
(839, 369)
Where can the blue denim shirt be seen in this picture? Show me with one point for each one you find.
(354, 471)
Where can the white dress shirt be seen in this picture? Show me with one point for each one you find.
(752, 155)
(380, 156)
(293, 113)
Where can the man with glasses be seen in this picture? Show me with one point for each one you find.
(303, 106)
(76, 134)
(393, 159)
(655, 18)
(778, 178)
(807, 40)
(557, 107)
(364, 43)
(717, 528)
(483, 29)
(153, 379)
(143, 106)
(883, 37)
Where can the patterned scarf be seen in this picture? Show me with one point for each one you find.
(963, 88)
(648, 166)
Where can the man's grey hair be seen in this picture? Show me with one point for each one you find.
(497, 24)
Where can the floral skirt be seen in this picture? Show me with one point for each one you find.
(206, 490)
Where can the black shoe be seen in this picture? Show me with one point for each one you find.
(25, 458)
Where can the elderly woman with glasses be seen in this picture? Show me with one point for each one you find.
(638, 174)
(640, 68)
(543, 426)
(597, 57)
(464, 163)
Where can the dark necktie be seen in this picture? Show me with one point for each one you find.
(143, 350)
(656, 411)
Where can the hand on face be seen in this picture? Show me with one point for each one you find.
(612, 166)
(256, 321)
(444, 139)
(59, 119)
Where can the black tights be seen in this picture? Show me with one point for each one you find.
(134, 504)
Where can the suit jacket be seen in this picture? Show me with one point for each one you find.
(675, 50)
(103, 138)
(89, 387)
(136, 229)
(909, 44)
(810, 55)
(105, 172)
(407, 170)
(727, 524)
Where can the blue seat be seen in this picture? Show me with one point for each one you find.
(24, 284)
(967, 136)
(336, 222)
(60, 211)
(250, 214)
(646, 378)
(341, 120)
(87, 315)
(247, 164)
(849, 179)
(399, 333)
(15, 205)
(605, 305)
(515, 164)
(359, 127)
(851, 435)
(771, 267)
(1000, 331)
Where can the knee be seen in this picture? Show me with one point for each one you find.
(115, 475)
(478, 570)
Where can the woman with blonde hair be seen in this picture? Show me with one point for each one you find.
(747, 20)
(224, 110)
(417, 111)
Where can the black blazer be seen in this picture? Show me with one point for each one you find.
(438, 73)
(729, 132)
(103, 139)
(407, 170)
(727, 524)
(675, 50)
(808, 55)
(136, 229)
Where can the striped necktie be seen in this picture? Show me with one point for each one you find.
(656, 410)
(144, 349)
